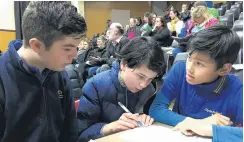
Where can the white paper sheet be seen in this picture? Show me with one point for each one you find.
(158, 134)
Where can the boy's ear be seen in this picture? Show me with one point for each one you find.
(36, 45)
(123, 65)
(225, 69)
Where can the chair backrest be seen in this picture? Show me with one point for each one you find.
(236, 12)
(240, 34)
(239, 57)
(241, 16)
(181, 57)
(230, 14)
(227, 20)
(238, 25)
(224, 7)
(228, 5)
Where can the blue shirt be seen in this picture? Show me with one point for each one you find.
(227, 134)
(224, 96)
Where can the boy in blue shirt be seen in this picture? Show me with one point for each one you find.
(203, 89)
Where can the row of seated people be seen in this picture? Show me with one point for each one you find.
(200, 102)
(97, 59)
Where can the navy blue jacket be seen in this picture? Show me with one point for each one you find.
(34, 106)
(99, 103)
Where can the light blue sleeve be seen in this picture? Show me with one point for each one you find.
(227, 134)
(159, 109)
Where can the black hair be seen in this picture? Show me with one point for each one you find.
(143, 50)
(49, 21)
(120, 29)
(220, 42)
(139, 19)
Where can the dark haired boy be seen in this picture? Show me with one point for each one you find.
(36, 99)
(203, 89)
(128, 82)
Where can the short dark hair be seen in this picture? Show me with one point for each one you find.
(220, 42)
(143, 50)
(49, 21)
(139, 19)
(146, 14)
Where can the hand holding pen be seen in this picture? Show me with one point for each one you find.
(127, 121)
(141, 120)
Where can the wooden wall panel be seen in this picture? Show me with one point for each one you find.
(96, 13)
(5, 37)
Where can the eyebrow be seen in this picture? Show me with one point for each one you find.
(143, 75)
(69, 45)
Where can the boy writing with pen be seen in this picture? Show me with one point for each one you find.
(128, 82)
(205, 92)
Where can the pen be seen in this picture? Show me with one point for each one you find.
(126, 110)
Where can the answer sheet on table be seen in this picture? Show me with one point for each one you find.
(158, 134)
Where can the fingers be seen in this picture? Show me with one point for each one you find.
(124, 125)
(127, 117)
(223, 120)
(187, 132)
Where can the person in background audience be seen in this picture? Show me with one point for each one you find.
(132, 32)
(139, 23)
(174, 19)
(212, 11)
(99, 52)
(108, 23)
(80, 48)
(218, 133)
(115, 44)
(202, 19)
(128, 82)
(166, 16)
(160, 33)
(154, 16)
(36, 97)
(147, 26)
(185, 14)
(145, 18)
(203, 89)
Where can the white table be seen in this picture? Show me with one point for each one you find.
(156, 133)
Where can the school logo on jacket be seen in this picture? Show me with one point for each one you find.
(60, 94)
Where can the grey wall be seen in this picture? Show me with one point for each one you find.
(158, 7)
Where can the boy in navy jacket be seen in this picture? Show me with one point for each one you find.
(36, 99)
(128, 82)
(203, 89)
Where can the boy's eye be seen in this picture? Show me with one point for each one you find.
(67, 49)
(199, 64)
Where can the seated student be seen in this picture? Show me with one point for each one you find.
(36, 98)
(99, 52)
(218, 133)
(114, 45)
(128, 82)
(202, 86)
